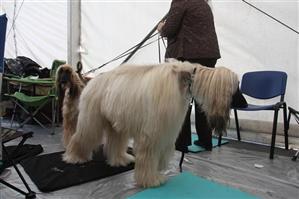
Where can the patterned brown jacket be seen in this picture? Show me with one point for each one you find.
(190, 31)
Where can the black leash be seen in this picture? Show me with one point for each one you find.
(144, 40)
(127, 52)
(159, 50)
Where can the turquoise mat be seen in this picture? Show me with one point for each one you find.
(195, 149)
(188, 186)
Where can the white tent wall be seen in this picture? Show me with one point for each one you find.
(41, 30)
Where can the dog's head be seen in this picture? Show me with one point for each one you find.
(67, 78)
(214, 89)
(64, 77)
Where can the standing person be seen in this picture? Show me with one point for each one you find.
(191, 36)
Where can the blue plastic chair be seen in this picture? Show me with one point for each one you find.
(265, 85)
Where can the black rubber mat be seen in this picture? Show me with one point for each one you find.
(50, 173)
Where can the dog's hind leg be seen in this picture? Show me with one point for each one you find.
(147, 164)
(116, 148)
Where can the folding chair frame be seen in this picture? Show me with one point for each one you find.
(32, 114)
(29, 194)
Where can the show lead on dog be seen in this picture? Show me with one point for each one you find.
(191, 36)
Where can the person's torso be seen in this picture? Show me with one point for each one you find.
(197, 36)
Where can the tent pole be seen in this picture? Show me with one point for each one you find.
(73, 32)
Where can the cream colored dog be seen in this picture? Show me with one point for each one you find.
(148, 104)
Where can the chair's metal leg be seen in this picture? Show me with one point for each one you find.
(27, 112)
(286, 126)
(46, 117)
(13, 113)
(237, 124)
(13, 187)
(37, 121)
(289, 119)
(53, 115)
(25, 121)
(32, 115)
(274, 128)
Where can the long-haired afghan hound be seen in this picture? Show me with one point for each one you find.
(69, 85)
(147, 104)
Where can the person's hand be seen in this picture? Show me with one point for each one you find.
(160, 26)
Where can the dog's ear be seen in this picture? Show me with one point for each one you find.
(60, 94)
(59, 90)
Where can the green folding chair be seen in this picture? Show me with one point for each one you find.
(33, 105)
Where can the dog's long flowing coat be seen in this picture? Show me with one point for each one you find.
(147, 104)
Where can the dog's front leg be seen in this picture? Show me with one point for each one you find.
(165, 156)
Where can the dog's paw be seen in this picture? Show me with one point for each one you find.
(153, 181)
(121, 160)
(129, 158)
(73, 159)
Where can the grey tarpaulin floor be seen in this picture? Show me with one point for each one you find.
(233, 166)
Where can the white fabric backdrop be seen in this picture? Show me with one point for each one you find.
(41, 30)
(248, 39)
(116, 27)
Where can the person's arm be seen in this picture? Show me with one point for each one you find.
(174, 19)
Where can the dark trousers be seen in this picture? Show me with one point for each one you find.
(203, 129)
